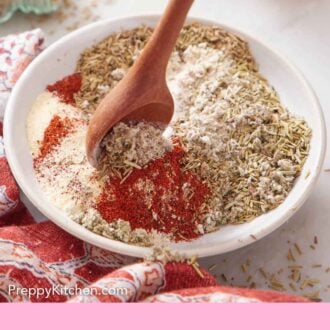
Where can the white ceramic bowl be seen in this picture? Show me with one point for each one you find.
(60, 59)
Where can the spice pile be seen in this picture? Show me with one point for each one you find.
(231, 154)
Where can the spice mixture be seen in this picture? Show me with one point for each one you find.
(231, 153)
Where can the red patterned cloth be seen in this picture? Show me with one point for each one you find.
(39, 262)
(16, 52)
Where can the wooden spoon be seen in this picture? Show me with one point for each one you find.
(142, 95)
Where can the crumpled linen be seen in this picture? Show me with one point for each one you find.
(16, 52)
(39, 262)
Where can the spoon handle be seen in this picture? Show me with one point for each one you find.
(158, 50)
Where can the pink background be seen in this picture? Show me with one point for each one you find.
(153, 316)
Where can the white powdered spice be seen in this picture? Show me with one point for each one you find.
(195, 84)
(43, 110)
(65, 175)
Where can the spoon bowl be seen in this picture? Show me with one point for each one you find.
(151, 102)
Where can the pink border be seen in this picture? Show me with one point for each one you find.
(161, 316)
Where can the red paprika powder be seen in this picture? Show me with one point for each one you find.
(66, 88)
(160, 196)
(57, 129)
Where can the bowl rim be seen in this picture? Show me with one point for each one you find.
(136, 251)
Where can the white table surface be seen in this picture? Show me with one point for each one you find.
(299, 29)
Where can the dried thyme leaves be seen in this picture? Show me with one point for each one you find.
(104, 64)
(119, 230)
(238, 137)
(292, 277)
